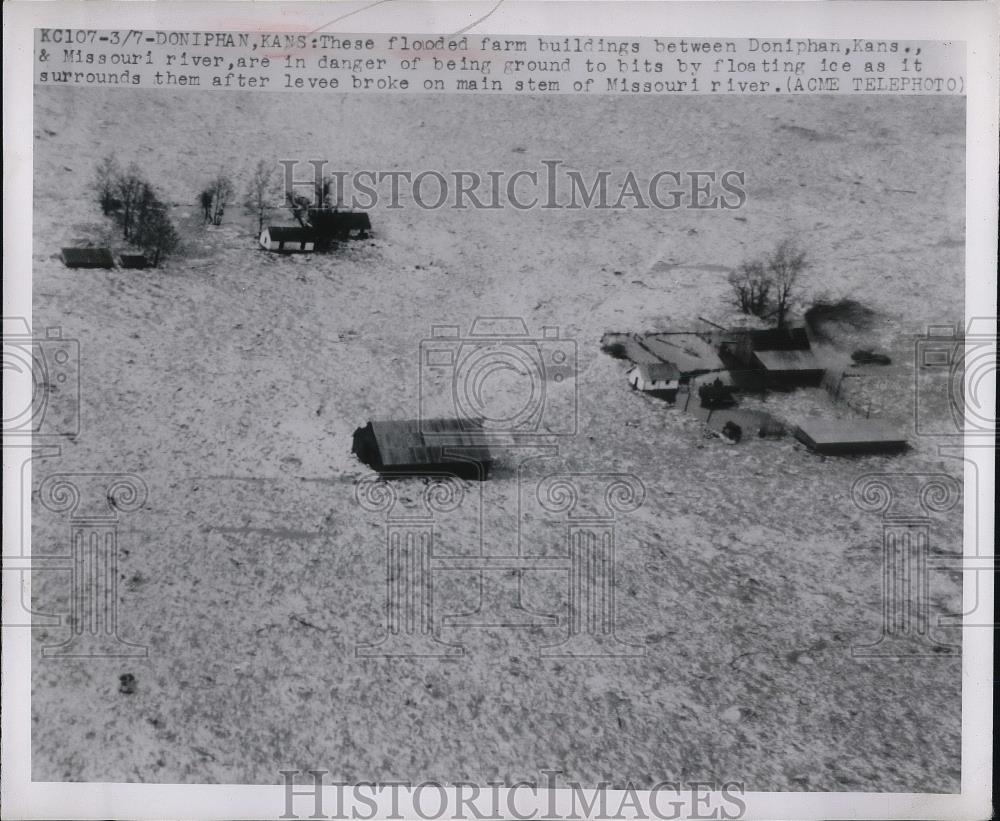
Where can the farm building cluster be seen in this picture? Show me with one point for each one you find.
(323, 231)
(705, 371)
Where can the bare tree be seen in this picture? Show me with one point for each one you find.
(130, 190)
(105, 183)
(155, 233)
(752, 287)
(205, 199)
(260, 193)
(300, 207)
(784, 267)
(329, 193)
(215, 197)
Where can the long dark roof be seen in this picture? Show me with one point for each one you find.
(133, 260)
(423, 447)
(849, 436)
(88, 258)
(291, 233)
(328, 219)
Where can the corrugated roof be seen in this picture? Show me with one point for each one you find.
(88, 258)
(414, 442)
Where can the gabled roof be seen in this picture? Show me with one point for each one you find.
(291, 233)
(659, 371)
(688, 352)
(88, 258)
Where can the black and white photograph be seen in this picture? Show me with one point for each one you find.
(488, 439)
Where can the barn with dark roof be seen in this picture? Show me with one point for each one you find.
(417, 446)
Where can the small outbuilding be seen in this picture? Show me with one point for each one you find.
(133, 261)
(845, 437)
(414, 447)
(87, 258)
(660, 379)
(288, 239)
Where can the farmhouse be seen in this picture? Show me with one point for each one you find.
(87, 258)
(287, 239)
(849, 437)
(418, 447)
(661, 379)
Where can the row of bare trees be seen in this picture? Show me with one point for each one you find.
(132, 202)
(259, 199)
(263, 195)
(766, 287)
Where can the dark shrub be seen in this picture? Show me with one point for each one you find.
(866, 357)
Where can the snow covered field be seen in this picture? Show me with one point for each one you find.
(230, 380)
